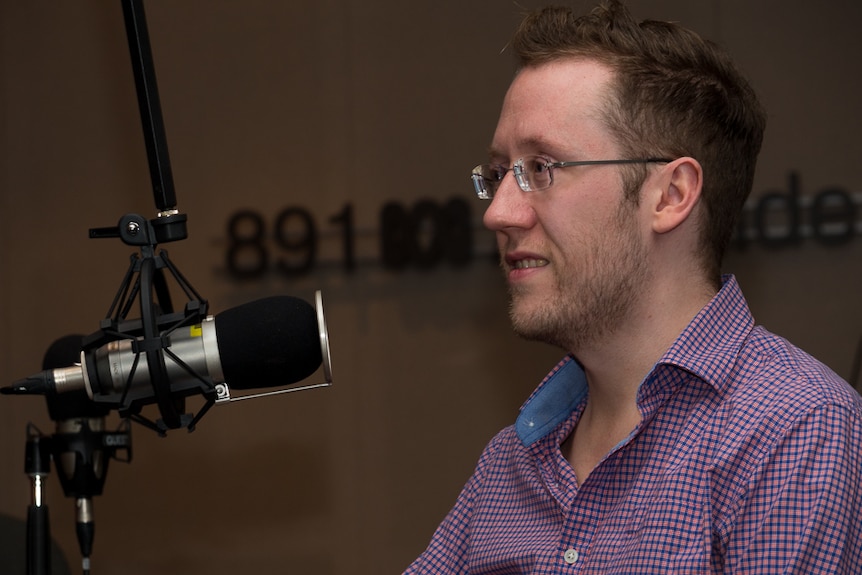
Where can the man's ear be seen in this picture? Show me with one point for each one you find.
(678, 190)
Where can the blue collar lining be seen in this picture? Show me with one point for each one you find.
(552, 404)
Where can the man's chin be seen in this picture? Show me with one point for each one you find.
(527, 322)
(536, 322)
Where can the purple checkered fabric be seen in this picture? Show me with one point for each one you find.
(747, 460)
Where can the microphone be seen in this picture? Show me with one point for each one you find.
(270, 342)
(81, 448)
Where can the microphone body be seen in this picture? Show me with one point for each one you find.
(116, 368)
(274, 341)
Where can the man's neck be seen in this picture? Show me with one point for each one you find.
(615, 369)
(616, 366)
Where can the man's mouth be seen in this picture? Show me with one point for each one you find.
(529, 263)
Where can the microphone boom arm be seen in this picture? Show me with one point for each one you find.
(145, 279)
(149, 106)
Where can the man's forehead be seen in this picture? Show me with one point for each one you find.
(551, 106)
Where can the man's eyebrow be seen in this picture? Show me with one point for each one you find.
(532, 144)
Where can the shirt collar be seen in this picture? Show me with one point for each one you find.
(710, 345)
(552, 402)
(707, 348)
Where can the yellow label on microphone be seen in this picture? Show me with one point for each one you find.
(195, 330)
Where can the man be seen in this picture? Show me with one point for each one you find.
(676, 437)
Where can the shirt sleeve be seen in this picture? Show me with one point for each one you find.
(800, 512)
(448, 551)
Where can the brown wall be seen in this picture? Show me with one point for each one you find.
(273, 104)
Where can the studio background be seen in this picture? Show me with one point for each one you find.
(318, 105)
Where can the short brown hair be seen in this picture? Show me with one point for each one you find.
(675, 94)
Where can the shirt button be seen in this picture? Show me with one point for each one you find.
(571, 556)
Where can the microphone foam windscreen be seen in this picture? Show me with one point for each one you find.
(269, 342)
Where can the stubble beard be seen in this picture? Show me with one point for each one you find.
(590, 302)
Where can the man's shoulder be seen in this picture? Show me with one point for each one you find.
(772, 374)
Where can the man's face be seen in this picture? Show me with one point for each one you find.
(573, 254)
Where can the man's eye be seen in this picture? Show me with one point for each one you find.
(540, 166)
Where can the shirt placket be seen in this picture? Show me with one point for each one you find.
(580, 510)
(584, 509)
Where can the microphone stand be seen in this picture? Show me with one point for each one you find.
(81, 450)
(80, 447)
(37, 465)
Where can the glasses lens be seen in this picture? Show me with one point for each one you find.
(537, 173)
(481, 187)
(486, 180)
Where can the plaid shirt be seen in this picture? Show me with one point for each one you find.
(747, 460)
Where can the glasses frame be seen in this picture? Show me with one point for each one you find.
(523, 177)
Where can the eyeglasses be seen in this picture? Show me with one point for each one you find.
(533, 173)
